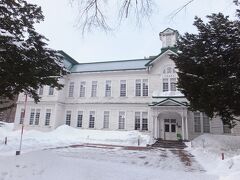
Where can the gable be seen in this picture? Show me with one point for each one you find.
(161, 62)
(169, 102)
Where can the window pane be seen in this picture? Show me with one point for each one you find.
(51, 90)
(197, 122)
(32, 116)
(79, 118)
(91, 119)
(121, 123)
(165, 84)
(166, 127)
(47, 117)
(106, 119)
(145, 87)
(82, 88)
(138, 87)
(206, 124)
(123, 88)
(137, 120)
(108, 88)
(144, 121)
(37, 116)
(226, 129)
(40, 92)
(173, 84)
(68, 118)
(173, 127)
(71, 89)
(94, 89)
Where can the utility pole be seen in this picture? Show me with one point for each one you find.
(24, 112)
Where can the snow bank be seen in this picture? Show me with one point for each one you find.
(208, 150)
(65, 135)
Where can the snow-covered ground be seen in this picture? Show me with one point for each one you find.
(65, 135)
(46, 156)
(208, 151)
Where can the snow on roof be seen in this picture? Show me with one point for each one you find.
(136, 64)
(167, 94)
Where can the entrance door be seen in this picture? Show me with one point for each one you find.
(170, 129)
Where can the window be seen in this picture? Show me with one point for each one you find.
(145, 87)
(106, 119)
(94, 89)
(71, 89)
(21, 116)
(226, 129)
(173, 84)
(47, 117)
(206, 123)
(165, 84)
(32, 116)
(144, 121)
(68, 118)
(40, 91)
(121, 122)
(51, 90)
(138, 87)
(82, 88)
(37, 116)
(197, 122)
(108, 88)
(79, 118)
(91, 119)
(123, 88)
(137, 120)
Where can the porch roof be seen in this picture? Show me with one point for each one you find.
(169, 102)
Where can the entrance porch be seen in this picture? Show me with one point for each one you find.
(170, 121)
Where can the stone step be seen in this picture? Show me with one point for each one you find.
(169, 144)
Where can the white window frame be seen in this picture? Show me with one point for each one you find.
(37, 116)
(145, 87)
(32, 116)
(106, 116)
(141, 121)
(82, 89)
(197, 122)
(51, 91)
(137, 125)
(121, 120)
(80, 119)
(94, 89)
(92, 117)
(123, 88)
(40, 91)
(108, 88)
(48, 117)
(68, 117)
(71, 89)
(206, 123)
(138, 87)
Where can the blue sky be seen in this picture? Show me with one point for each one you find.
(129, 41)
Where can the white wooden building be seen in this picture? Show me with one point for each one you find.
(137, 94)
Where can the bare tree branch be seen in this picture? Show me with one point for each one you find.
(177, 11)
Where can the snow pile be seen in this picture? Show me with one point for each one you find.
(65, 135)
(167, 94)
(208, 151)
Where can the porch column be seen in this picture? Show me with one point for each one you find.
(183, 125)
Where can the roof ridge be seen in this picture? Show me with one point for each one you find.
(114, 61)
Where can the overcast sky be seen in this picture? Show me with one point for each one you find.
(127, 42)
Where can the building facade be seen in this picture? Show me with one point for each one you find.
(138, 94)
